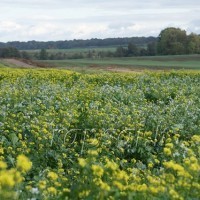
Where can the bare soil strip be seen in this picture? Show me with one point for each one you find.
(17, 63)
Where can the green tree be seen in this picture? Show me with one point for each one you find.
(9, 52)
(120, 52)
(143, 52)
(25, 55)
(151, 49)
(43, 54)
(172, 41)
(133, 50)
(193, 45)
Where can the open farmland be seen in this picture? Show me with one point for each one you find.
(75, 50)
(131, 63)
(67, 135)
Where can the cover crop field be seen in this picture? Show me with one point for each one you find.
(177, 62)
(66, 135)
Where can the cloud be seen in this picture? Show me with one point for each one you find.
(9, 26)
(194, 26)
(60, 19)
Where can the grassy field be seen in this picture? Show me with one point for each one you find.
(128, 64)
(76, 50)
(132, 63)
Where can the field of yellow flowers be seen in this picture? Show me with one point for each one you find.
(65, 135)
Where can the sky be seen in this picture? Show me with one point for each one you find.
(52, 20)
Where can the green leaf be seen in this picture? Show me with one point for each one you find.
(14, 139)
(11, 159)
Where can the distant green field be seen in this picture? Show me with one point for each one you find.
(154, 62)
(76, 50)
(187, 62)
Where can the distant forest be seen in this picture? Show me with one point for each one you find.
(69, 44)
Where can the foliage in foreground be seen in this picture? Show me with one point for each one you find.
(110, 136)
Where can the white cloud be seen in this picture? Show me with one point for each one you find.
(60, 19)
(86, 30)
(9, 26)
(41, 29)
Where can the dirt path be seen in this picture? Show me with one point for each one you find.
(17, 63)
(123, 69)
(113, 68)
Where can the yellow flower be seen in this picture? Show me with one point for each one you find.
(28, 187)
(178, 168)
(23, 163)
(61, 170)
(167, 151)
(150, 165)
(194, 167)
(170, 178)
(153, 190)
(171, 164)
(148, 134)
(6, 179)
(168, 140)
(66, 190)
(92, 152)
(57, 184)
(196, 138)
(52, 190)
(193, 159)
(104, 186)
(42, 184)
(93, 141)
(156, 161)
(174, 194)
(176, 136)
(82, 162)
(1, 150)
(97, 170)
(190, 152)
(111, 165)
(142, 187)
(118, 185)
(122, 175)
(133, 161)
(64, 155)
(17, 176)
(153, 180)
(169, 145)
(20, 136)
(52, 175)
(84, 193)
(3, 165)
(187, 161)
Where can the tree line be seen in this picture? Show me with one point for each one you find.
(171, 41)
(130, 50)
(69, 44)
(43, 54)
(12, 52)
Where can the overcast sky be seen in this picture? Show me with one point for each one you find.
(50, 20)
